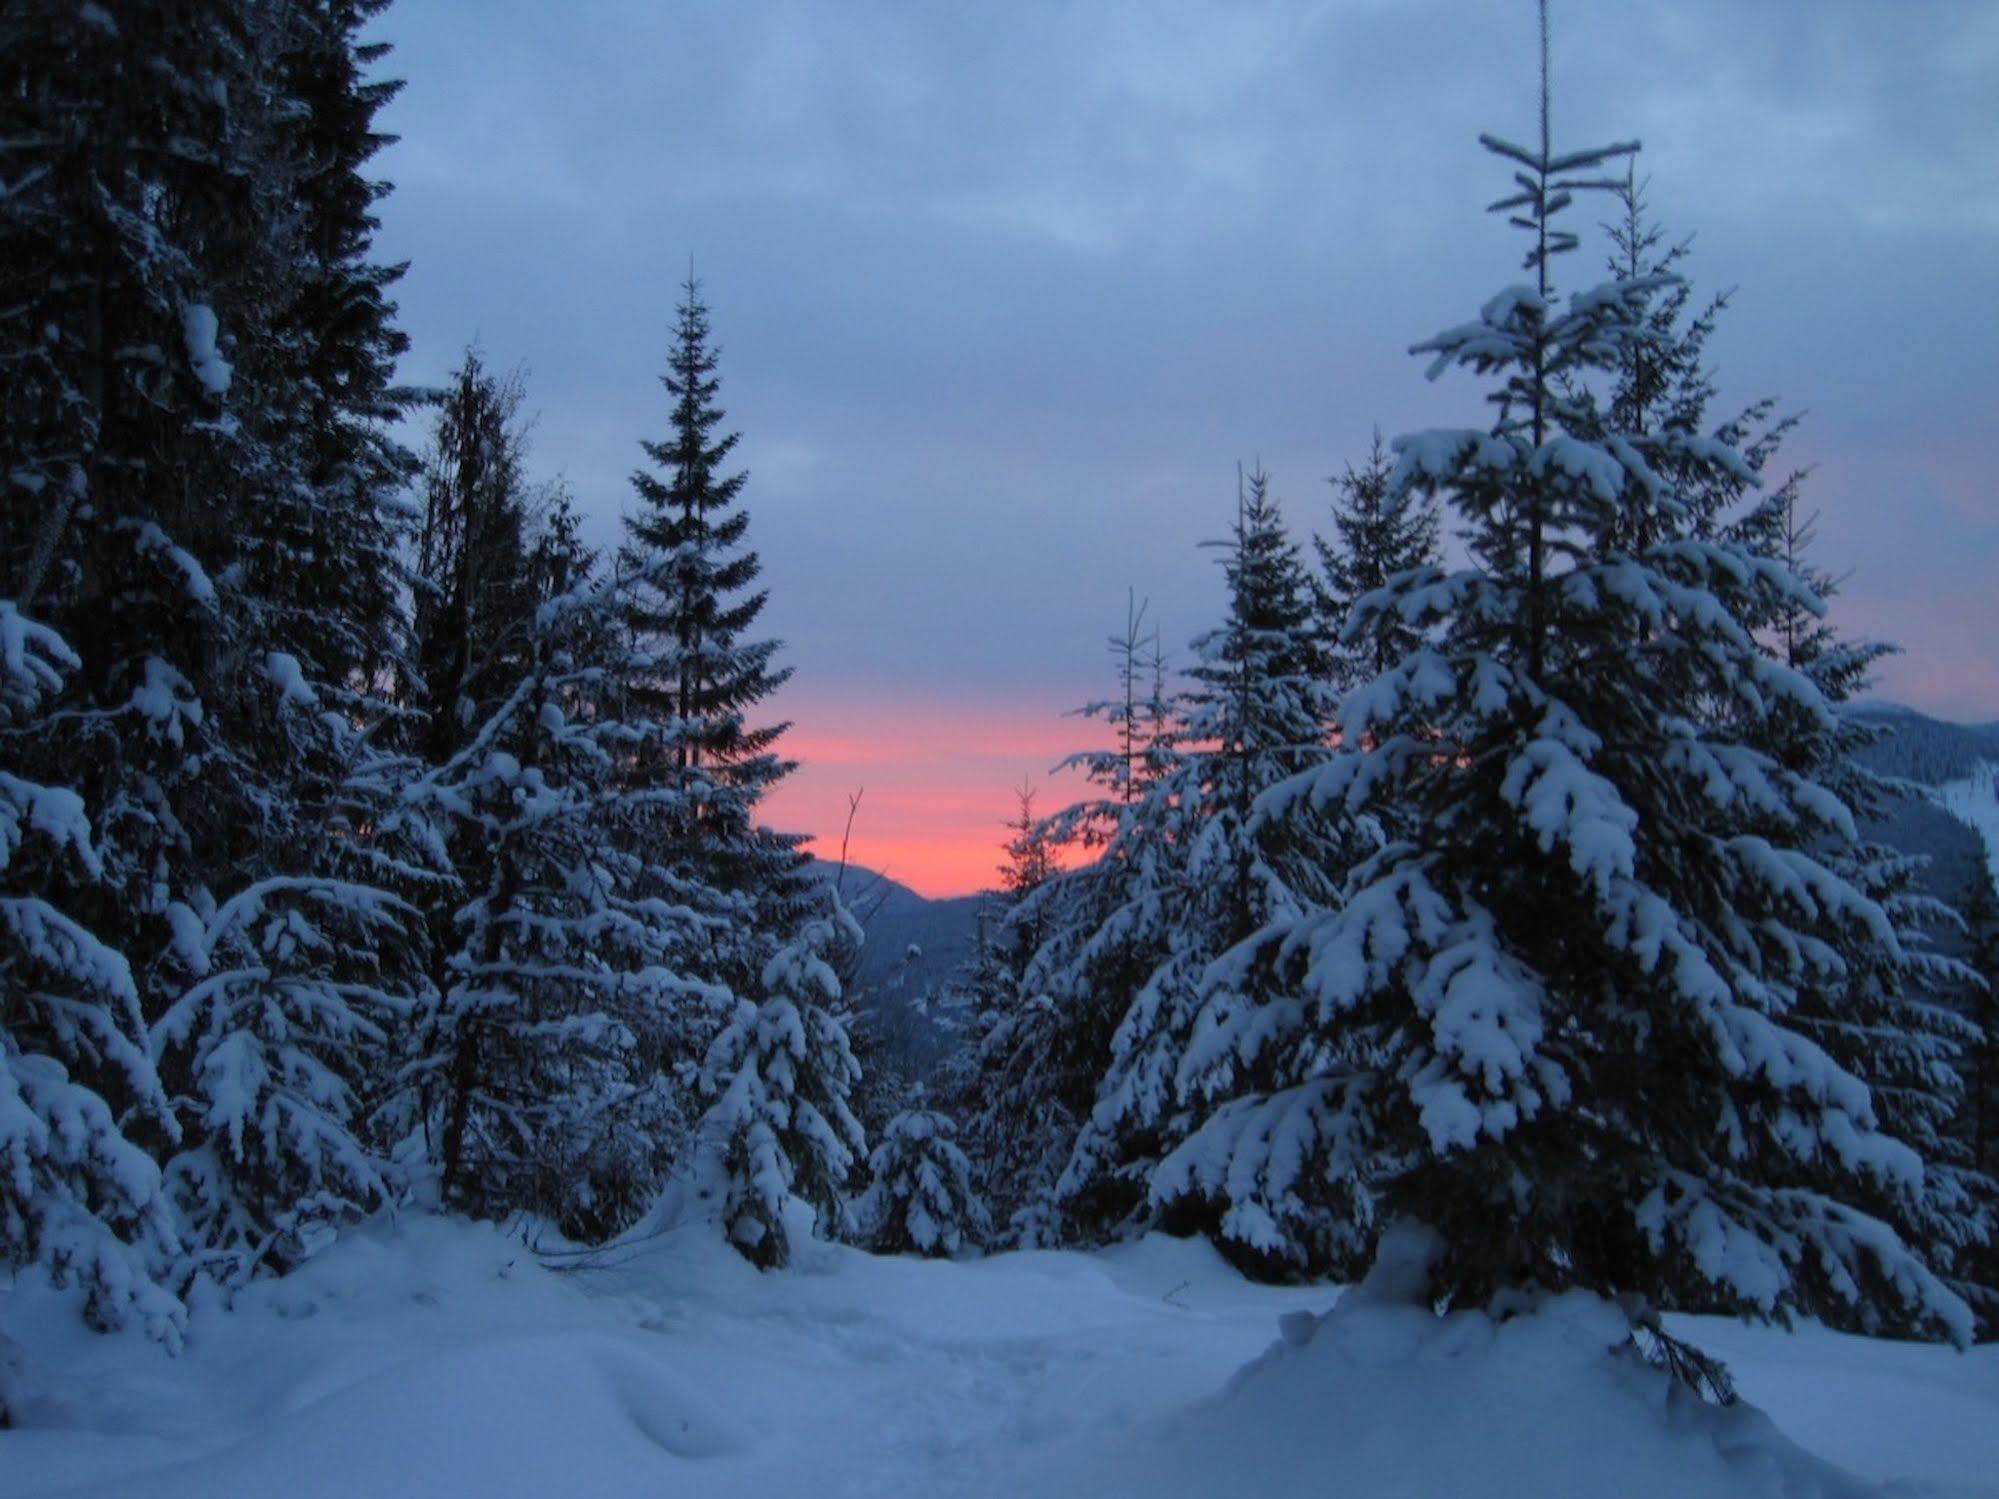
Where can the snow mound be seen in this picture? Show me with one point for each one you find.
(531, 1416)
(1392, 1401)
(423, 1357)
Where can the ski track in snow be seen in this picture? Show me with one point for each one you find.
(904, 1377)
(441, 1360)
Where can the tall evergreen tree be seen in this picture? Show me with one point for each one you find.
(695, 618)
(1009, 1068)
(1258, 703)
(161, 242)
(327, 549)
(301, 960)
(1891, 1016)
(568, 976)
(1203, 872)
(781, 1069)
(104, 439)
(1555, 1020)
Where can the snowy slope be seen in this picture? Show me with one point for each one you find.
(1974, 800)
(1950, 815)
(443, 1360)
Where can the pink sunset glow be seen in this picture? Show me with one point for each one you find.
(938, 778)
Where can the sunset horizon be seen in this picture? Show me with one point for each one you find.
(938, 780)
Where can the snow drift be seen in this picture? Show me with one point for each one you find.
(437, 1358)
(1394, 1401)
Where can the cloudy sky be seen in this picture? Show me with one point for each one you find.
(1006, 290)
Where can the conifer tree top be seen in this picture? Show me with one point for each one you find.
(704, 672)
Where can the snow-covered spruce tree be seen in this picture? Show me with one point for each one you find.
(78, 1197)
(329, 553)
(1555, 1020)
(1211, 873)
(106, 614)
(1116, 924)
(119, 455)
(1888, 1017)
(1376, 535)
(781, 1072)
(539, 1061)
(286, 1019)
(300, 978)
(300, 961)
(1980, 1126)
(335, 567)
(471, 647)
(693, 617)
(922, 1199)
(1013, 1065)
(1892, 1016)
(1258, 703)
(154, 435)
(326, 550)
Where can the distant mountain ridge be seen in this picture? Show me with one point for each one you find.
(1951, 814)
(1929, 751)
(896, 919)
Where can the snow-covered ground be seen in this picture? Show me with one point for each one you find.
(438, 1359)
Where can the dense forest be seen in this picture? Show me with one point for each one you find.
(1490, 882)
